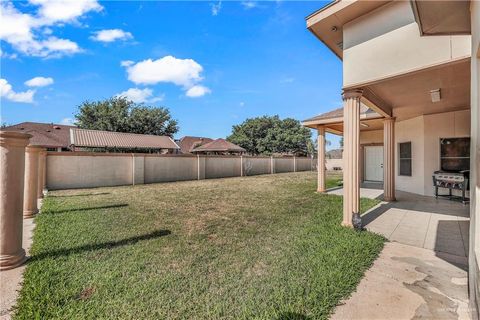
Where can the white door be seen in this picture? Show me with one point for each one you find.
(374, 163)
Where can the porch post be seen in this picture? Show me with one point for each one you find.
(321, 159)
(351, 146)
(42, 163)
(12, 168)
(30, 207)
(389, 159)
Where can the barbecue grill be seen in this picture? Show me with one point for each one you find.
(452, 181)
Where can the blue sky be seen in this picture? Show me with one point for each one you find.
(213, 64)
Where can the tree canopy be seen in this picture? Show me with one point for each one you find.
(270, 134)
(119, 114)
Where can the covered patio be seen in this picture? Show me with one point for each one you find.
(420, 221)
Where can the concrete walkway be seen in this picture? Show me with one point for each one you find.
(407, 282)
(11, 280)
(422, 272)
(425, 222)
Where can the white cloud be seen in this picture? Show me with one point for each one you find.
(30, 33)
(140, 95)
(126, 63)
(6, 55)
(197, 91)
(52, 11)
(249, 4)
(182, 72)
(39, 82)
(67, 121)
(216, 8)
(241, 104)
(110, 35)
(7, 92)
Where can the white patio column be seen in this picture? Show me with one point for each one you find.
(30, 207)
(321, 159)
(351, 147)
(42, 170)
(389, 159)
(12, 169)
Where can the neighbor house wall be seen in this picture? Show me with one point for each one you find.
(86, 170)
(331, 164)
(391, 35)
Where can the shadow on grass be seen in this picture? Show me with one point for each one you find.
(110, 206)
(98, 246)
(80, 195)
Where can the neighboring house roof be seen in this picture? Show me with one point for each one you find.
(47, 135)
(334, 154)
(219, 145)
(101, 139)
(188, 143)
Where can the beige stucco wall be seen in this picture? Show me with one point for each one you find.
(164, 169)
(255, 166)
(474, 256)
(70, 171)
(405, 131)
(304, 164)
(334, 163)
(371, 137)
(436, 126)
(86, 170)
(425, 132)
(387, 42)
(283, 165)
(220, 167)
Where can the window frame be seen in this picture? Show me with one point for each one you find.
(400, 159)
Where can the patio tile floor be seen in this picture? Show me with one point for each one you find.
(425, 222)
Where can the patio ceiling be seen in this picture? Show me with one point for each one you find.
(409, 95)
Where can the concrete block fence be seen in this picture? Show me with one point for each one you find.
(70, 170)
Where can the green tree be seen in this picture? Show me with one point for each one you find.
(119, 114)
(268, 135)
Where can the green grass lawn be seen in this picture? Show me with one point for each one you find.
(265, 247)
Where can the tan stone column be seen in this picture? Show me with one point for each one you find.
(389, 159)
(321, 159)
(30, 207)
(351, 147)
(12, 169)
(42, 170)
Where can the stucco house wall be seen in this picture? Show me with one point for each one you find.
(405, 131)
(425, 132)
(474, 255)
(384, 32)
(371, 137)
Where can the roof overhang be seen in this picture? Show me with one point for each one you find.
(327, 23)
(442, 17)
(314, 124)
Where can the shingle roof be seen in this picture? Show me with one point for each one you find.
(47, 135)
(100, 139)
(219, 145)
(188, 143)
(338, 113)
